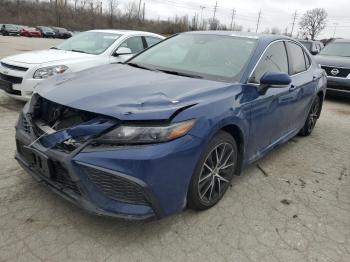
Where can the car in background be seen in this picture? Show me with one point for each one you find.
(30, 32)
(314, 47)
(46, 31)
(172, 126)
(9, 29)
(21, 74)
(335, 60)
(61, 32)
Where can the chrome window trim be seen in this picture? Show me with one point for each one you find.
(276, 41)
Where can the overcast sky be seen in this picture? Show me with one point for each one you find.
(275, 13)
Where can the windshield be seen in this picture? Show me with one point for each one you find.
(308, 45)
(11, 27)
(337, 49)
(94, 43)
(46, 29)
(208, 56)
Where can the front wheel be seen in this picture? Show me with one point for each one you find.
(213, 173)
(312, 117)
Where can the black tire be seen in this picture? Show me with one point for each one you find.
(312, 117)
(216, 175)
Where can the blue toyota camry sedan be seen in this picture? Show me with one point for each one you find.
(172, 126)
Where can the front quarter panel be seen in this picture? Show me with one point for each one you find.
(228, 107)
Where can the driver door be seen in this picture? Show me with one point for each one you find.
(269, 110)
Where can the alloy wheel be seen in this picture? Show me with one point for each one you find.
(216, 173)
(313, 116)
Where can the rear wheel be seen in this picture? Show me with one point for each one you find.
(213, 173)
(311, 118)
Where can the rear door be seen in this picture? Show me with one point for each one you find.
(303, 84)
(269, 111)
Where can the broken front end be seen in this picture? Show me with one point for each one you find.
(69, 150)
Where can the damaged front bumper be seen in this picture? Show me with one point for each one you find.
(133, 182)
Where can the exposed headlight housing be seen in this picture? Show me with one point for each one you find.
(46, 72)
(145, 134)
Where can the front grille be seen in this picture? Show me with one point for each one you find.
(25, 124)
(24, 153)
(343, 72)
(116, 187)
(13, 67)
(11, 79)
(61, 177)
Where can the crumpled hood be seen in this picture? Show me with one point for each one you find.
(129, 93)
(47, 56)
(336, 61)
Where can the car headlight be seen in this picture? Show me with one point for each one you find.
(46, 72)
(144, 134)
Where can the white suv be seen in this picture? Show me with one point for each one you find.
(20, 74)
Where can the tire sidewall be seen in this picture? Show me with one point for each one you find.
(193, 198)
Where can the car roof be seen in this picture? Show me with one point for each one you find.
(258, 36)
(123, 32)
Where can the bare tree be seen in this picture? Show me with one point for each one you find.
(131, 10)
(275, 31)
(112, 4)
(214, 23)
(313, 22)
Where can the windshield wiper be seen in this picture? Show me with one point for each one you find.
(180, 73)
(78, 51)
(54, 48)
(140, 66)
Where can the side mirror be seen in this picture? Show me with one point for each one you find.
(275, 80)
(123, 51)
(314, 52)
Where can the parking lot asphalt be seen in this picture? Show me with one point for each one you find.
(293, 205)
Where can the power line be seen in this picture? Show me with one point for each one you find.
(258, 22)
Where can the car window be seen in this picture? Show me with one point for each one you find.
(273, 60)
(150, 40)
(337, 49)
(308, 45)
(209, 56)
(135, 44)
(296, 54)
(89, 42)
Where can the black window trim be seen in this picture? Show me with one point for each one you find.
(304, 51)
(262, 55)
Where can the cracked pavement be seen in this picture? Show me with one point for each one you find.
(293, 205)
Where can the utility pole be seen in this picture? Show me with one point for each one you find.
(233, 16)
(202, 8)
(335, 29)
(215, 7)
(143, 11)
(138, 12)
(295, 15)
(258, 22)
(213, 22)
